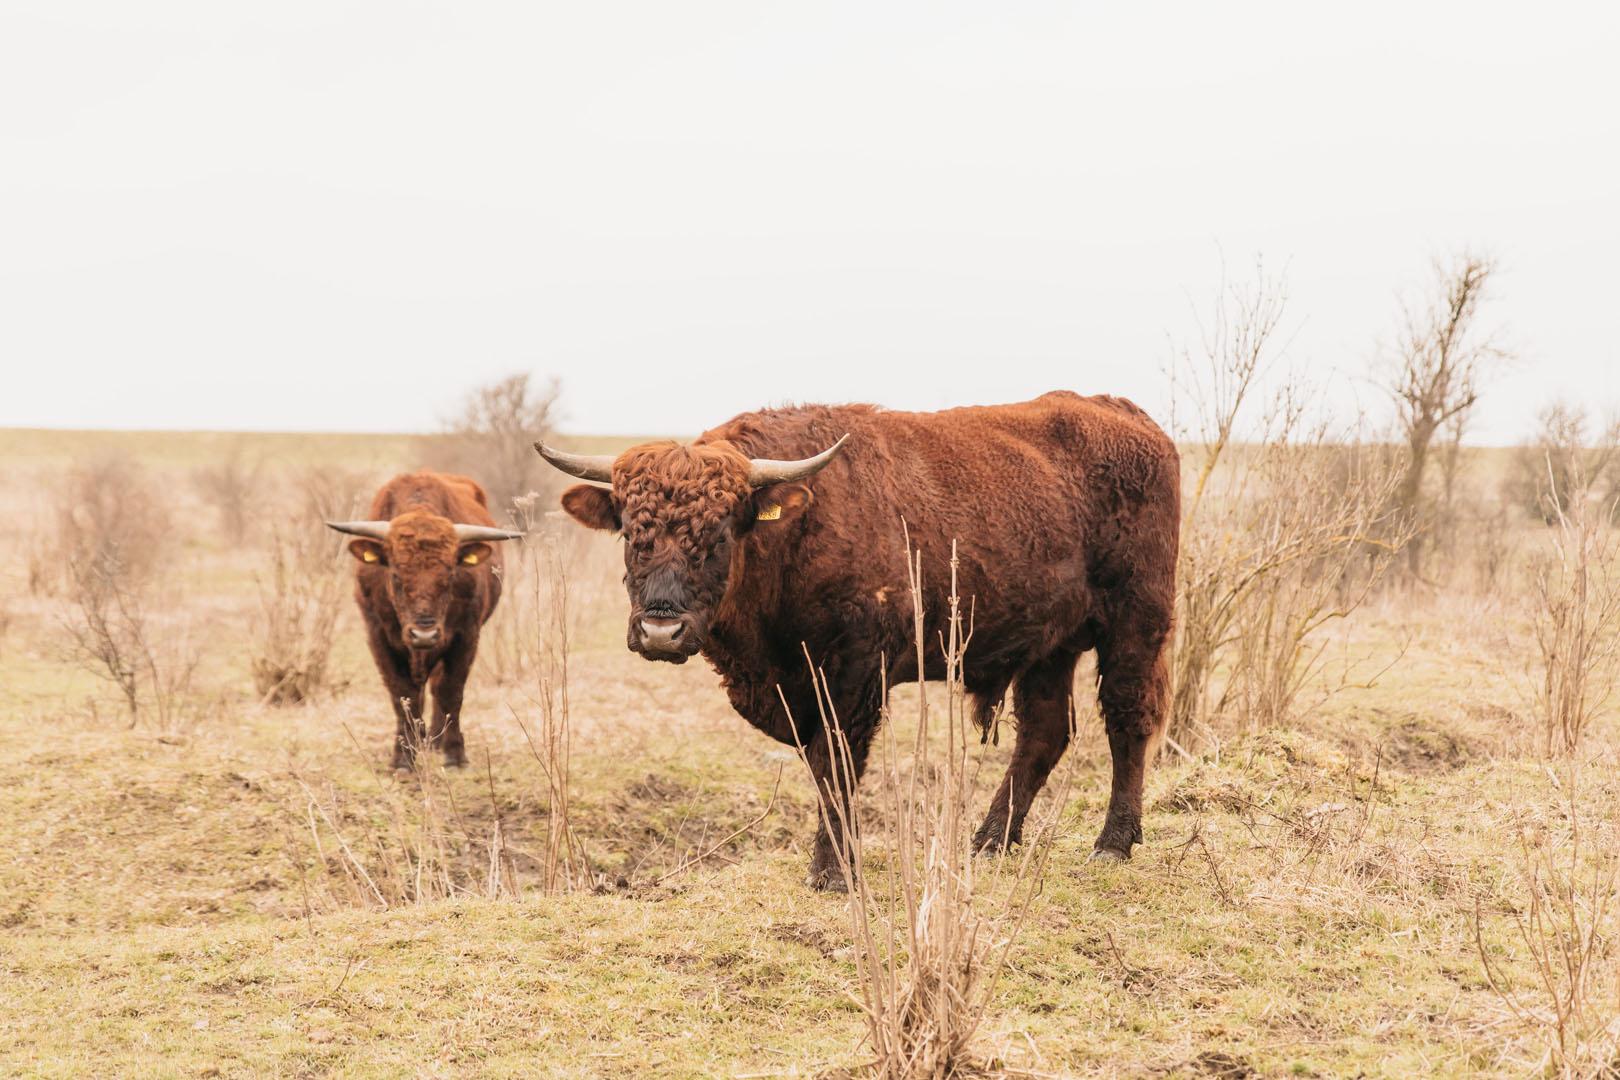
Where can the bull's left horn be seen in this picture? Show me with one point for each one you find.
(762, 471)
(371, 530)
(597, 467)
(467, 533)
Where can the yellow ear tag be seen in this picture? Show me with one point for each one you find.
(470, 559)
(770, 513)
(368, 556)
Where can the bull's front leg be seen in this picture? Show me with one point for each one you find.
(405, 692)
(449, 683)
(837, 758)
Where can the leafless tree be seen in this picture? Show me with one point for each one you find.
(1440, 360)
(492, 438)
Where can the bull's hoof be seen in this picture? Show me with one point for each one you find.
(455, 759)
(404, 763)
(1108, 856)
(827, 881)
(994, 840)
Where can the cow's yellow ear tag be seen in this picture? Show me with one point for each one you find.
(470, 559)
(770, 513)
(368, 556)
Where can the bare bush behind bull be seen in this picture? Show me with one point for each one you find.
(490, 438)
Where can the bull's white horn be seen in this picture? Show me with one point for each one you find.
(597, 467)
(762, 471)
(371, 530)
(467, 533)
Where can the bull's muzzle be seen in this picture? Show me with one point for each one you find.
(423, 634)
(663, 638)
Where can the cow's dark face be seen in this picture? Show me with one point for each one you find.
(424, 568)
(684, 512)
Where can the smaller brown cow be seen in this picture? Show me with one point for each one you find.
(429, 578)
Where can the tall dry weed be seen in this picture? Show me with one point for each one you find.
(934, 926)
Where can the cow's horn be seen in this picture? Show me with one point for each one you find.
(468, 533)
(762, 471)
(598, 467)
(371, 530)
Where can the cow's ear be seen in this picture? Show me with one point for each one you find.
(780, 502)
(472, 554)
(591, 506)
(369, 551)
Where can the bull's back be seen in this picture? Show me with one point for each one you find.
(1044, 499)
(459, 498)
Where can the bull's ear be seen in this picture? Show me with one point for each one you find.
(369, 551)
(472, 554)
(780, 502)
(591, 506)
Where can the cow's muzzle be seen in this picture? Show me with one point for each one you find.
(423, 633)
(664, 637)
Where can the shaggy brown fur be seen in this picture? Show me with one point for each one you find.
(421, 580)
(1066, 513)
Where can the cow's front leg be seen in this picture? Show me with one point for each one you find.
(449, 683)
(837, 757)
(405, 692)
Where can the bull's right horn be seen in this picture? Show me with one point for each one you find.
(762, 471)
(371, 530)
(597, 467)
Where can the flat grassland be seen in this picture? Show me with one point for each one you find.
(1311, 900)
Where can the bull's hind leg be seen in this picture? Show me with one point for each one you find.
(1045, 695)
(1133, 689)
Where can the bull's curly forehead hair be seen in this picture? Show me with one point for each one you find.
(417, 534)
(666, 489)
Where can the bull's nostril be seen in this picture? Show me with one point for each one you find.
(425, 621)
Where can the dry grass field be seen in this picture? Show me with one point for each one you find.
(226, 887)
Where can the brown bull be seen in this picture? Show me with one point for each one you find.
(429, 578)
(1066, 510)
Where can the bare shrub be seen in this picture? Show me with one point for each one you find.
(1563, 464)
(1280, 535)
(1314, 554)
(301, 594)
(328, 493)
(931, 939)
(1440, 358)
(231, 485)
(492, 439)
(110, 533)
(1567, 925)
(110, 519)
(1576, 615)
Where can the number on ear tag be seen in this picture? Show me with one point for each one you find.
(770, 513)
(470, 559)
(368, 556)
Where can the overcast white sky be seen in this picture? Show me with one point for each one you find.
(338, 216)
